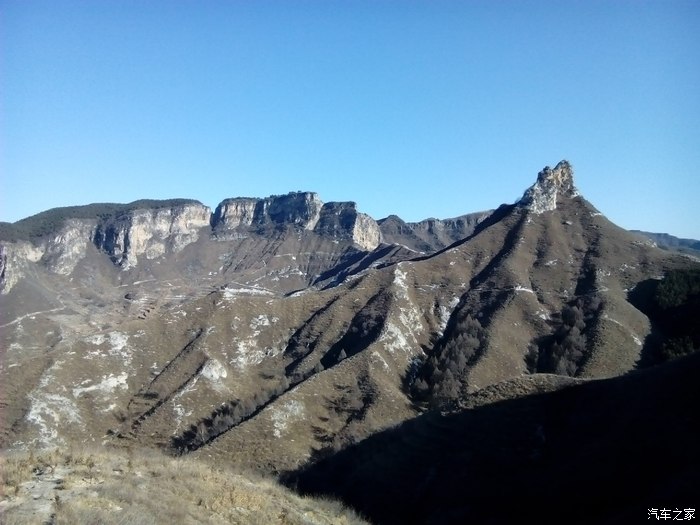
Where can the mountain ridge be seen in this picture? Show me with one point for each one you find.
(268, 343)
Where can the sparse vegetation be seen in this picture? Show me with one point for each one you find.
(224, 418)
(50, 221)
(146, 487)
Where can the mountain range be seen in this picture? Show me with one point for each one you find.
(296, 338)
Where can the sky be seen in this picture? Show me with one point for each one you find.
(416, 108)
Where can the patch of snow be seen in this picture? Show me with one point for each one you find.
(249, 354)
(635, 337)
(282, 415)
(377, 357)
(394, 338)
(400, 282)
(231, 293)
(214, 371)
(519, 288)
(179, 410)
(47, 411)
(106, 386)
(261, 320)
(445, 312)
(97, 339)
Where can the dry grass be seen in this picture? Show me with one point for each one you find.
(109, 487)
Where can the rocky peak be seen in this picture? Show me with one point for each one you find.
(341, 220)
(300, 208)
(551, 183)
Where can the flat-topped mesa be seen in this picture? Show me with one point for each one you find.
(339, 220)
(151, 231)
(61, 237)
(551, 183)
(299, 208)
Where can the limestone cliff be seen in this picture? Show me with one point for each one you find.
(14, 260)
(300, 208)
(59, 239)
(551, 183)
(62, 252)
(339, 220)
(151, 232)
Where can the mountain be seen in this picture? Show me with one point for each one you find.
(669, 242)
(429, 235)
(604, 451)
(274, 332)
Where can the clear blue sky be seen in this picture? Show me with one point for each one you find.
(421, 109)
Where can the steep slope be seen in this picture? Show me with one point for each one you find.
(254, 366)
(605, 451)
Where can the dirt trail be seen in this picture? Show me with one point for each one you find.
(36, 499)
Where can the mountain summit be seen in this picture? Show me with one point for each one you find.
(542, 196)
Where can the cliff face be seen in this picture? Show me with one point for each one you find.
(300, 209)
(14, 260)
(62, 252)
(125, 237)
(151, 233)
(339, 220)
(234, 213)
(132, 234)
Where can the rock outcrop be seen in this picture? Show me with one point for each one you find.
(63, 251)
(151, 232)
(551, 183)
(14, 260)
(341, 220)
(124, 232)
(304, 210)
(300, 209)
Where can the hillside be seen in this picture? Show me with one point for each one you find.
(70, 487)
(276, 331)
(604, 451)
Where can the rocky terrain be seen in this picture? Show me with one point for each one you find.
(274, 332)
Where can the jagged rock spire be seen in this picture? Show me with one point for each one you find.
(542, 196)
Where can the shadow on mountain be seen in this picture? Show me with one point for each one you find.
(601, 452)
